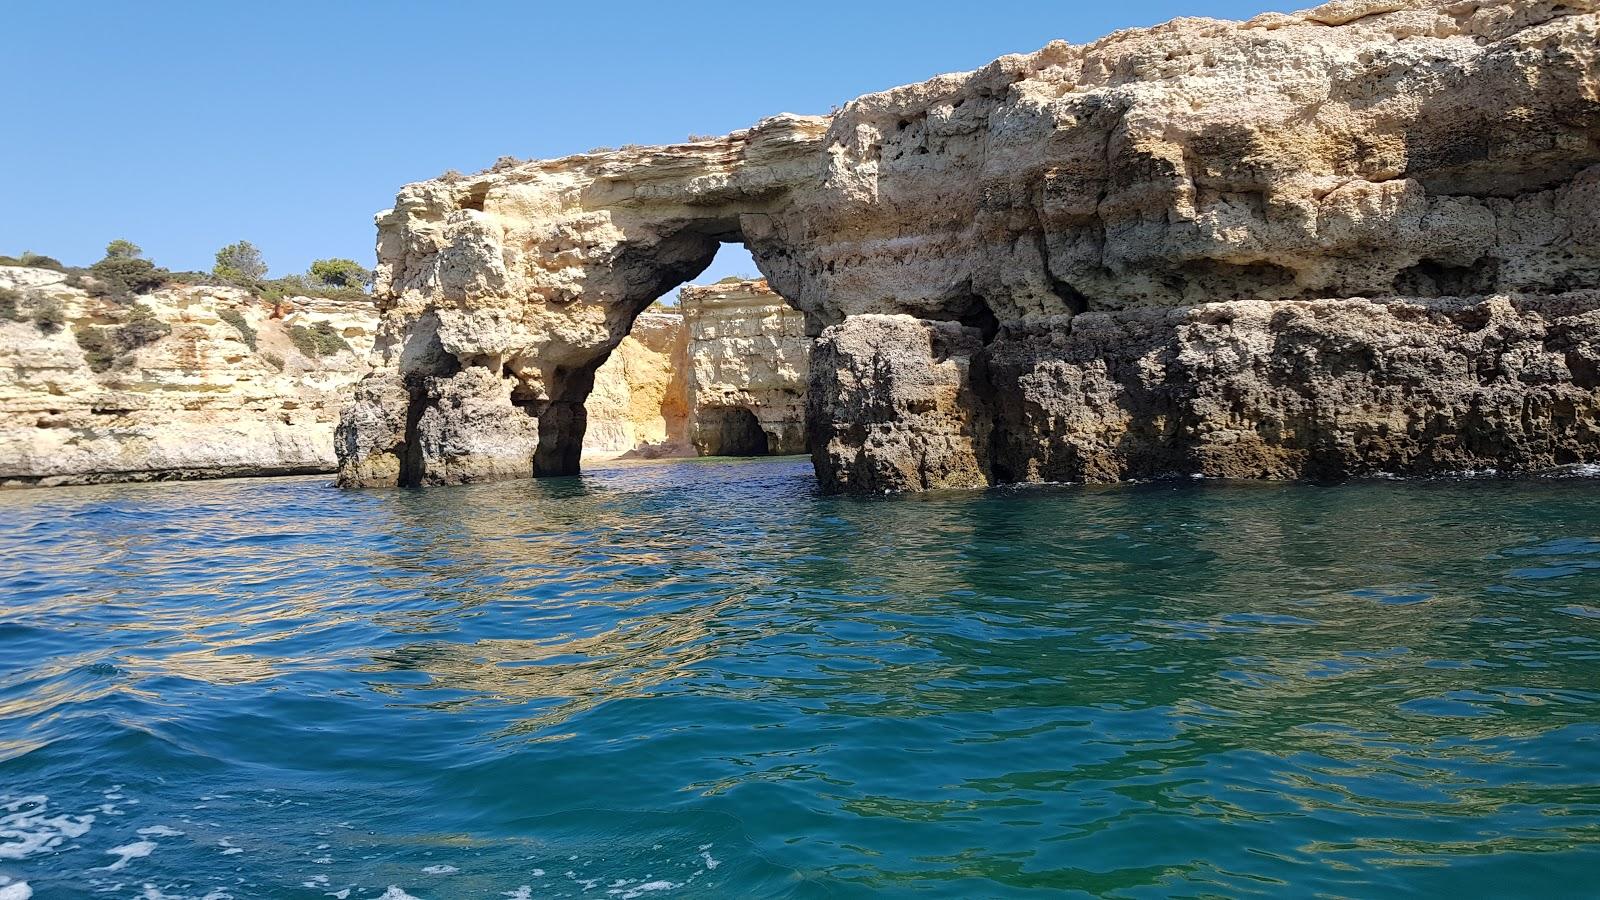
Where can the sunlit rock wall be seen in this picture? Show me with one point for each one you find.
(748, 358)
(640, 402)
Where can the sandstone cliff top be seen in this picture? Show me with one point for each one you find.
(750, 290)
(1170, 50)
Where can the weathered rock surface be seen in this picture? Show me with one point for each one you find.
(1054, 206)
(748, 356)
(183, 393)
(892, 406)
(1322, 388)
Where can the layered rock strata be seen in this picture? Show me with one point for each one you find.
(186, 382)
(1357, 238)
(748, 357)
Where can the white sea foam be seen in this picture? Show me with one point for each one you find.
(638, 890)
(16, 890)
(160, 831)
(128, 853)
(396, 893)
(26, 828)
(440, 870)
(521, 893)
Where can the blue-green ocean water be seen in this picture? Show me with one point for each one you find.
(701, 679)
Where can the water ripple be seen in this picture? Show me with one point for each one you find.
(700, 678)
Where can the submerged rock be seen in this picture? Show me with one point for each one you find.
(1175, 249)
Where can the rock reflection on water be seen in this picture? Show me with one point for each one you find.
(1165, 688)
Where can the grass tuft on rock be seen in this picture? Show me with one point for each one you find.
(49, 316)
(236, 319)
(320, 340)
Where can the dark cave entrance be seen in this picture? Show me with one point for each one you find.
(730, 431)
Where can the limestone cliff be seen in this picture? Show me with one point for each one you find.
(748, 356)
(185, 382)
(1358, 238)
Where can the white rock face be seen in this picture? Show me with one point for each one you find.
(194, 401)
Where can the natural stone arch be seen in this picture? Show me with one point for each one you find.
(1205, 248)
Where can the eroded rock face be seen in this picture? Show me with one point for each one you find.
(748, 356)
(1322, 388)
(166, 387)
(892, 406)
(1069, 199)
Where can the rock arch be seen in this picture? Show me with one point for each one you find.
(1206, 247)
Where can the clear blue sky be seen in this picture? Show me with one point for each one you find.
(183, 126)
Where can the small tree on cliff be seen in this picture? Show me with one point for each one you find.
(122, 272)
(121, 249)
(240, 263)
(338, 272)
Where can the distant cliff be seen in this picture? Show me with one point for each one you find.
(721, 374)
(203, 381)
(183, 382)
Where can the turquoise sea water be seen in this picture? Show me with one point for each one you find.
(700, 679)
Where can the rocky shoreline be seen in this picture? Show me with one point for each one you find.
(205, 381)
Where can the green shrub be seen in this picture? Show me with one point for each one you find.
(99, 349)
(188, 277)
(240, 263)
(141, 329)
(108, 347)
(33, 260)
(49, 316)
(339, 273)
(317, 341)
(121, 249)
(273, 360)
(304, 286)
(236, 319)
(119, 276)
(9, 300)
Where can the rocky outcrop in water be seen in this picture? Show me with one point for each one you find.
(184, 382)
(1358, 238)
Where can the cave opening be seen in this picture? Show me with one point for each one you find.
(731, 431)
(711, 362)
